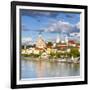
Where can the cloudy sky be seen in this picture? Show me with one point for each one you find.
(49, 24)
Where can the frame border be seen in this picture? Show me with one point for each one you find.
(13, 44)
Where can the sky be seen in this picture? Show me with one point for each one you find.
(49, 24)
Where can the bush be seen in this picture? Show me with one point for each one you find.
(58, 54)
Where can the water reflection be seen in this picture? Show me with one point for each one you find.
(40, 69)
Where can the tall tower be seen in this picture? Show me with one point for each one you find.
(58, 38)
(66, 40)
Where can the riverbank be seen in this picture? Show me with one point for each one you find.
(61, 60)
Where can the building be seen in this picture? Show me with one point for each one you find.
(40, 43)
(72, 43)
(58, 38)
(62, 46)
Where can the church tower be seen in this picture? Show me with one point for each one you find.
(66, 40)
(58, 38)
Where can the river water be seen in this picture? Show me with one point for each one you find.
(44, 69)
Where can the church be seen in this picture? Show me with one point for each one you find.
(40, 42)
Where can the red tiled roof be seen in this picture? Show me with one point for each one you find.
(71, 42)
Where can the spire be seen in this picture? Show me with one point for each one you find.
(66, 40)
(57, 39)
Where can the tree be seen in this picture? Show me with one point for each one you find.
(49, 44)
(75, 52)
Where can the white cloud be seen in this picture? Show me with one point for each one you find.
(75, 34)
(42, 13)
(61, 26)
(64, 25)
(78, 25)
(26, 40)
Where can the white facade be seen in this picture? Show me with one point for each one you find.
(40, 43)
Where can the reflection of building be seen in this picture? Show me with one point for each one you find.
(40, 43)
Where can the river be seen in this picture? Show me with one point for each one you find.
(44, 69)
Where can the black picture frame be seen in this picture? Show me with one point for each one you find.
(14, 5)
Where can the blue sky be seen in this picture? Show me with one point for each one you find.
(48, 23)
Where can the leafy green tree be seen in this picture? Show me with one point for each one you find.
(49, 44)
(75, 52)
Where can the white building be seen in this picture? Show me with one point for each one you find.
(40, 43)
(58, 38)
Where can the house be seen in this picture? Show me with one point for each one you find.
(62, 46)
(72, 43)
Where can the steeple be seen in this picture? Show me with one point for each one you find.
(66, 40)
(58, 38)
